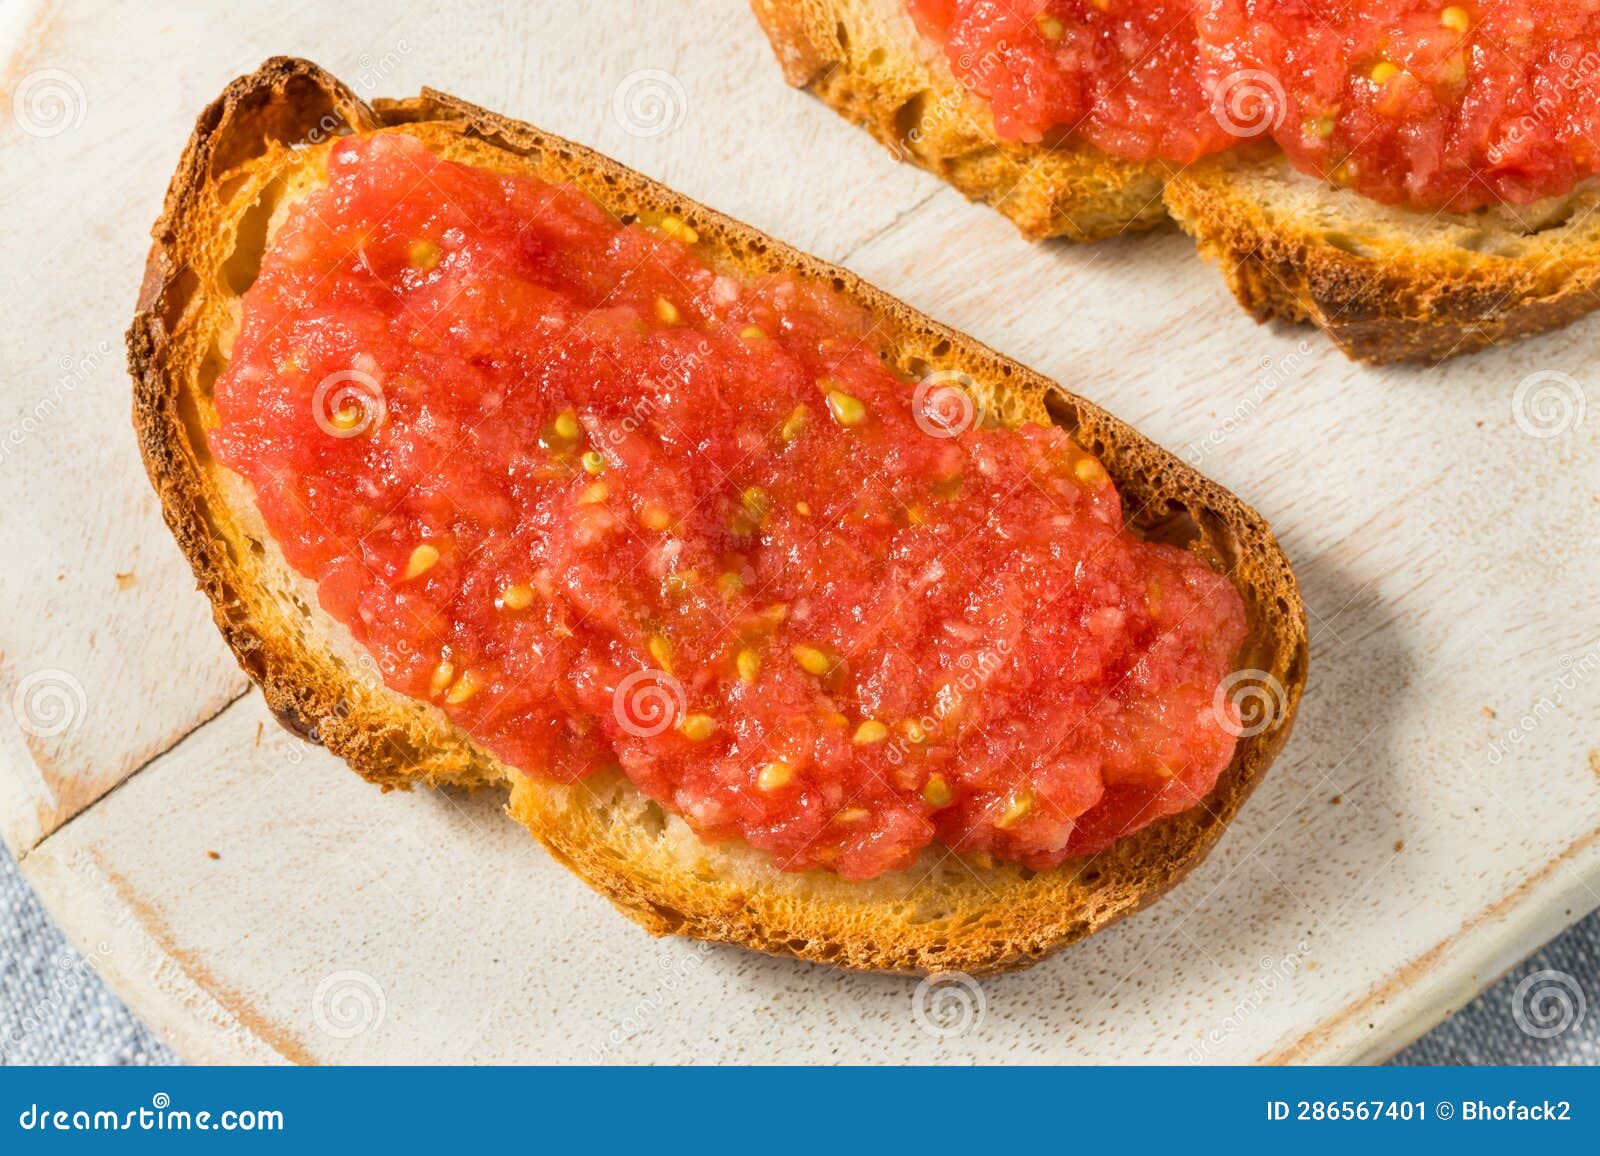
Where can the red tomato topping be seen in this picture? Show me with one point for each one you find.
(1124, 73)
(610, 507)
(1406, 101)
(1411, 101)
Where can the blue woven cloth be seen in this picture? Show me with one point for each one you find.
(55, 1010)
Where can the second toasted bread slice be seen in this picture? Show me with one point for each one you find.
(1386, 283)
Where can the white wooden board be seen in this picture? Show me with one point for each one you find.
(1442, 522)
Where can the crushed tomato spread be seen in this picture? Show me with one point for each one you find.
(1413, 102)
(1123, 73)
(610, 507)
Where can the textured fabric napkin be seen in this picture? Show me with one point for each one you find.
(55, 1010)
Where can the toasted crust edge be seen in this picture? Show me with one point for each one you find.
(984, 917)
(872, 75)
(1383, 294)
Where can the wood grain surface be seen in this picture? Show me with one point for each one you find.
(1436, 815)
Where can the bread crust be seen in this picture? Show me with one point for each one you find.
(865, 60)
(261, 141)
(1387, 284)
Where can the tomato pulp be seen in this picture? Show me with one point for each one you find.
(1412, 102)
(1452, 106)
(609, 506)
(1124, 74)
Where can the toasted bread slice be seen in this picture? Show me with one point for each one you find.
(866, 60)
(261, 145)
(1390, 283)
(1387, 283)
